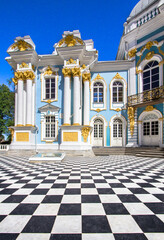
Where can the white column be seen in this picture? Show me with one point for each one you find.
(67, 96)
(28, 102)
(76, 100)
(86, 80)
(20, 103)
(16, 104)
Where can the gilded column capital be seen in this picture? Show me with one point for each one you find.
(86, 77)
(76, 72)
(18, 76)
(29, 75)
(66, 72)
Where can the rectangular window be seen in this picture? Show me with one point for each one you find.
(50, 88)
(50, 127)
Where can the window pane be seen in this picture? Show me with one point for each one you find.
(146, 74)
(155, 70)
(155, 77)
(146, 87)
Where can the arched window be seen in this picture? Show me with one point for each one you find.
(98, 92)
(151, 76)
(117, 128)
(117, 92)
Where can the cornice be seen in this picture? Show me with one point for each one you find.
(107, 66)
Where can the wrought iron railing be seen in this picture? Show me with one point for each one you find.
(146, 96)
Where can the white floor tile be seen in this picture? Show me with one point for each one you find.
(109, 198)
(71, 199)
(7, 208)
(147, 198)
(47, 209)
(14, 223)
(67, 224)
(56, 191)
(98, 236)
(33, 199)
(154, 236)
(23, 191)
(33, 236)
(88, 191)
(123, 224)
(3, 197)
(92, 209)
(122, 191)
(138, 209)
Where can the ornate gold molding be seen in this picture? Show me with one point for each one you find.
(49, 71)
(70, 41)
(23, 65)
(149, 55)
(86, 77)
(148, 45)
(76, 72)
(131, 112)
(117, 76)
(132, 53)
(66, 124)
(12, 133)
(83, 66)
(117, 109)
(71, 61)
(149, 108)
(76, 124)
(70, 136)
(98, 110)
(66, 72)
(21, 45)
(85, 132)
(27, 75)
(98, 77)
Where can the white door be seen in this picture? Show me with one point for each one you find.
(150, 131)
(117, 133)
(98, 133)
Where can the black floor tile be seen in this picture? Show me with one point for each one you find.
(15, 199)
(8, 236)
(70, 209)
(114, 208)
(65, 237)
(40, 191)
(134, 236)
(138, 191)
(128, 198)
(52, 199)
(149, 223)
(157, 208)
(88, 185)
(74, 181)
(2, 217)
(39, 224)
(105, 191)
(71, 191)
(116, 185)
(160, 197)
(95, 224)
(58, 185)
(90, 199)
(24, 209)
(8, 191)
(30, 185)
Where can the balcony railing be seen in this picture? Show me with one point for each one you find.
(157, 94)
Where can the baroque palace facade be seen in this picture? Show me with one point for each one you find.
(69, 100)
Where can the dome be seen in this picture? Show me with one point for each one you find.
(140, 6)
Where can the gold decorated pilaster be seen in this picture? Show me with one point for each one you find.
(131, 112)
(21, 45)
(86, 77)
(85, 132)
(12, 133)
(66, 72)
(76, 72)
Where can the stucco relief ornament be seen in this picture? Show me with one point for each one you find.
(27, 75)
(132, 53)
(23, 65)
(149, 55)
(21, 45)
(48, 71)
(85, 132)
(131, 111)
(76, 71)
(117, 76)
(66, 72)
(86, 77)
(149, 108)
(71, 61)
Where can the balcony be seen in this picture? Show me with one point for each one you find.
(154, 96)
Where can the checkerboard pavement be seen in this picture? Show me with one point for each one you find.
(100, 198)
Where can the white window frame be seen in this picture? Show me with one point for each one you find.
(50, 123)
(43, 126)
(117, 91)
(99, 105)
(157, 58)
(43, 78)
(118, 105)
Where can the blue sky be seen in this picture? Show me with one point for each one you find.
(46, 20)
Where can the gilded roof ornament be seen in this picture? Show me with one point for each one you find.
(21, 45)
(71, 61)
(85, 132)
(132, 53)
(69, 41)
